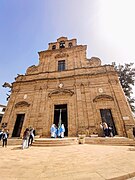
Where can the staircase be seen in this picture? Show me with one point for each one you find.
(44, 142)
(117, 141)
(14, 141)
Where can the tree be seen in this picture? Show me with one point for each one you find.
(126, 75)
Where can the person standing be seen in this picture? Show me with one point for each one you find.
(1, 133)
(62, 130)
(110, 131)
(101, 125)
(105, 128)
(26, 135)
(31, 138)
(4, 138)
(59, 131)
(101, 130)
(53, 131)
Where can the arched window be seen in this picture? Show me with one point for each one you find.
(70, 45)
(54, 47)
(62, 44)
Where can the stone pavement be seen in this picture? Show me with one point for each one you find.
(75, 162)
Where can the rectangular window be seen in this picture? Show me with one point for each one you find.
(61, 65)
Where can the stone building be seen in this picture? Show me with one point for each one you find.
(68, 85)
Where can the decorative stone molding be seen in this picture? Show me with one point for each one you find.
(25, 96)
(47, 55)
(60, 85)
(94, 62)
(6, 84)
(62, 39)
(100, 90)
(61, 92)
(113, 81)
(32, 69)
(22, 104)
(19, 77)
(61, 55)
(103, 97)
(125, 118)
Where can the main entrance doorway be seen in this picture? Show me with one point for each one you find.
(18, 125)
(60, 116)
(106, 116)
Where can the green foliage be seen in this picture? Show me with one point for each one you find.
(126, 75)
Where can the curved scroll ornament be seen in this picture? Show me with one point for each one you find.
(103, 97)
(6, 84)
(94, 62)
(61, 92)
(32, 69)
(22, 104)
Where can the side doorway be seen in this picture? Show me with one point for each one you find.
(106, 116)
(18, 125)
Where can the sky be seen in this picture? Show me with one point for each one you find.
(107, 27)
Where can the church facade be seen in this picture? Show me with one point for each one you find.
(67, 85)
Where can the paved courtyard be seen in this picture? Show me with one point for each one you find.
(75, 162)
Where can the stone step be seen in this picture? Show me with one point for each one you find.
(55, 142)
(70, 141)
(47, 142)
(14, 141)
(123, 141)
(49, 145)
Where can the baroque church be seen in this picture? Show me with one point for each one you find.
(67, 85)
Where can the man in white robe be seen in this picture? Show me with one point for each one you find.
(62, 130)
(53, 131)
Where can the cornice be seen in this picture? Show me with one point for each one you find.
(65, 76)
(47, 52)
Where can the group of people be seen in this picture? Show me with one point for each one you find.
(28, 137)
(29, 134)
(57, 132)
(107, 129)
(4, 133)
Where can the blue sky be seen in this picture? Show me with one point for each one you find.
(107, 27)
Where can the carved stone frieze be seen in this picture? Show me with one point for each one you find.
(61, 55)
